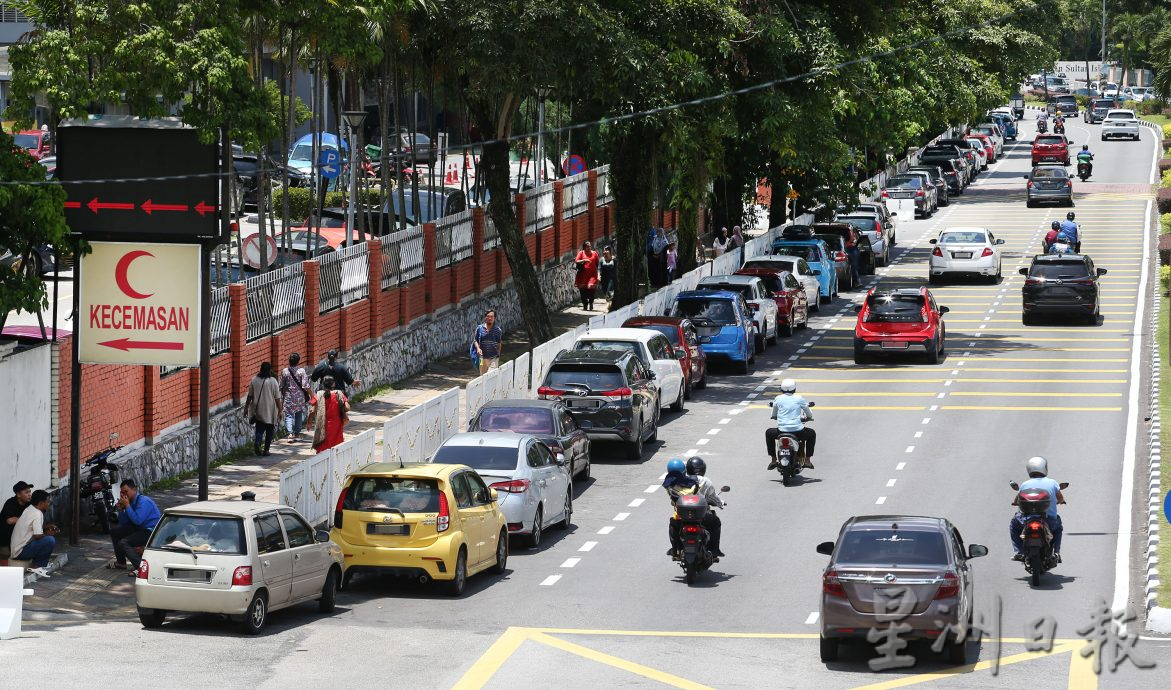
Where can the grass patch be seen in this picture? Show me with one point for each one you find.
(1157, 119)
(368, 393)
(1164, 593)
(172, 483)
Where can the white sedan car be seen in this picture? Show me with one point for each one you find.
(800, 270)
(967, 252)
(1120, 123)
(533, 486)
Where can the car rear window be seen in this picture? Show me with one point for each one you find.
(955, 237)
(523, 420)
(772, 265)
(1049, 174)
(904, 182)
(804, 251)
(597, 377)
(836, 242)
(1121, 115)
(1058, 270)
(891, 547)
(622, 345)
(204, 534)
(391, 494)
(26, 141)
(730, 287)
(1048, 140)
(863, 224)
(895, 307)
(478, 457)
(671, 332)
(716, 312)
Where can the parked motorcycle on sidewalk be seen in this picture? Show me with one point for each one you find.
(101, 476)
(789, 454)
(1036, 537)
(693, 537)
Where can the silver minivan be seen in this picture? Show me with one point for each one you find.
(237, 558)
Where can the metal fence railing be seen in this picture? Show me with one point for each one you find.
(491, 234)
(575, 197)
(402, 257)
(602, 190)
(452, 232)
(221, 321)
(274, 300)
(538, 208)
(344, 277)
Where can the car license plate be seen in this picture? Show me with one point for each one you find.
(961, 255)
(399, 530)
(895, 344)
(570, 402)
(189, 575)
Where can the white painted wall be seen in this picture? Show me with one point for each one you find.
(25, 419)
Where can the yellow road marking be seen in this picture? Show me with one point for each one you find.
(1018, 394)
(688, 633)
(1010, 408)
(871, 407)
(490, 661)
(876, 394)
(1081, 671)
(980, 666)
(619, 663)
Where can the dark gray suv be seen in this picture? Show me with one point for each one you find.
(1061, 284)
(609, 392)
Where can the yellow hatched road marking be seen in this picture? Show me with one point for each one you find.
(619, 663)
(1070, 647)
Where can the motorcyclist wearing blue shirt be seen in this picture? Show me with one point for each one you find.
(1070, 231)
(1038, 468)
(791, 412)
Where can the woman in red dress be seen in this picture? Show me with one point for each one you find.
(329, 416)
(587, 275)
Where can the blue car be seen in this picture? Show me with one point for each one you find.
(723, 323)
(816, 254)
(1008, 124)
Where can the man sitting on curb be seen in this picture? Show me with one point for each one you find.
(13, 507)
(137, 517)
(32, 539)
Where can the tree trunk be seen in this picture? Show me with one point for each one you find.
(693, 187)
(630, 180)
(494, 167)
(778, 210)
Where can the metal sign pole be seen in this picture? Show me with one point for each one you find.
(75, 412)
(204, 363)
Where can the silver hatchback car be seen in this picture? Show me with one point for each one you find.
(910, 568)
(239, 558)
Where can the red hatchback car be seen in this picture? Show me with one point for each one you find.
(898, 320)
(786, 290)
(1050, 148)
(679, 330)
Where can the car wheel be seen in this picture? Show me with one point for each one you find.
(758, 344)
(677, 406)
(934, 280)
(688, 386)
(702, 383)
(776, 331)
(655, 426)
(933, 352)
(151, 618)
(347, 578)
(829, 649)
(859, 353)
(455, 586)
(815, 305)
(634, 449)
(789, 326)
(567, 521)
(328, 593)
(585, 474)
(1030, 204)
(957, 652)
(742, 367)
(1027, 319)
(256, 614)
(501, 553)
(535, 537)
(942, 339)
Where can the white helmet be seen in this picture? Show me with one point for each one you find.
(788, 386)
(1037, 465)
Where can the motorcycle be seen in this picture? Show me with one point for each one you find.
(1042, 126)
(695, 557)
(101, 478)
(1059, 127)
(789, 454)
(1083, 170)
(1036, 537)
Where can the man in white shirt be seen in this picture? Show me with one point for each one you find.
(32, 539)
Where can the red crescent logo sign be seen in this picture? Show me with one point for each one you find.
(123, 267)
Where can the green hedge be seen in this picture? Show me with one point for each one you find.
(1165, 221)
(299, 200)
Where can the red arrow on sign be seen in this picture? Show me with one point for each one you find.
(95, 205)
(72, 204)
(150, 206)
(126, 344)
(203, 208)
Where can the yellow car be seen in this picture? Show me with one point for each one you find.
(427, 522)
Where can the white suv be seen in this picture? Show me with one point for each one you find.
(1120, 123)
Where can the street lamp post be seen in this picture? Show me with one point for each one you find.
(542, 93)
(354, 120)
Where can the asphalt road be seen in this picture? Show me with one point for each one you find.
(602, 606)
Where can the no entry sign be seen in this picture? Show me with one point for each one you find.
(140, 304)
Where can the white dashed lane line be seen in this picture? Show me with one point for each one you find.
(606, 530)
(570, 562)
(550, 581)
(588, 546)
(636, 503)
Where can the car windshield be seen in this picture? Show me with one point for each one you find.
(1044, 140)
(890, 547)
(961, 237)
(715, 312)
(895, 307)
(478, 457)
(302, 152)
(863, 224)
(671, 332)
(392, 494)
(772, 265)
(202, 533)
(26, 141)
(1059, 270)
(599, 377)
(1049, 174)
(905, 182)
(804, 251)
(522, 420)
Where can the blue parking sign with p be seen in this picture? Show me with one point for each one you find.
(328, 163)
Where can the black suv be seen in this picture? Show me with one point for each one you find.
(609, 392)
(1063, 284)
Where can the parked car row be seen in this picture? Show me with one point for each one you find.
(947, 166)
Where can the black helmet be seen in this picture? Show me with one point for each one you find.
(1069, 216)
(1085, 147)
(1056, 225)
(696, 466)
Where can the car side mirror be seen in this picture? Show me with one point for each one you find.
(932, 241)
(812, 404)
(322, 536)
(1101, 271)
(650, 375)
(943, 310)
(1063, 485)
(1015, 486)
(826, 548)
(560, 458)
(1025, 176)
(725, 489)
(999, 241)
(857, 308)
(1023, 271)
(680, 353)
(977, 550)
(493, 497)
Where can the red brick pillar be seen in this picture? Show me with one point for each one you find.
(429, 257)
(312, 271)
(374, 246)
(562, 240)
(238, 337)
(150, 389)
(594, 229)
(478, 249)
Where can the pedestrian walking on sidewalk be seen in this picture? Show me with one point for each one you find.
(262, 407)
(672, 261)
(586, 281)
(721, 243)
(342, 377)
(137, 516)
(32, 539)
(607, 272)
(486, 342)
(295, 393)
(22, 493)
(329, 416)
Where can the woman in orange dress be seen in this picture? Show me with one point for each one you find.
(586, 281)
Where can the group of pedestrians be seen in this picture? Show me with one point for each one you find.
(724, 242)
(299, 399)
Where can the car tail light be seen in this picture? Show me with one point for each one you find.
(444, 520)
(839, 256)
(515, 486)
(143, 570)
(1029, 280)
(987, 252)
(1081, 281)
(617, 393)
(950, 586)
(546, 390)
(885, 194)
(1069, 183)
(1029, 184)
(920, 193)
(878, 228)
(242, 576)
(937, 252)
(831, 585)
(753, 307)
